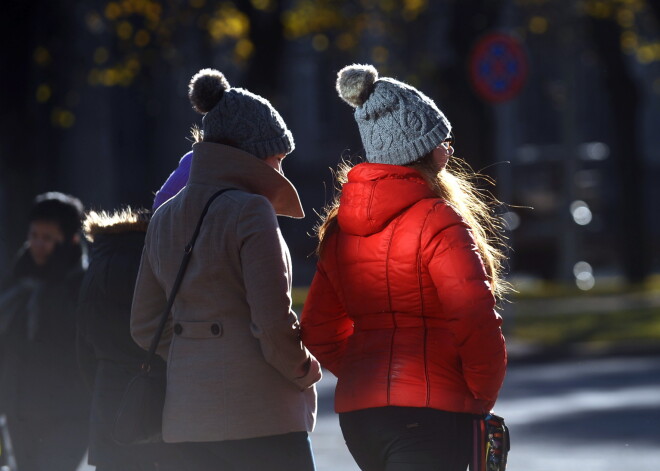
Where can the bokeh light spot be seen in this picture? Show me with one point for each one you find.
(625, 17)
(42, 56)
(94, 22)
(320, 42)
(380, 54)
(387, 5)
(645, 54)
(112, 11)
(124, 30)
(142, 38)
(581, 213)
(44, 93)
(346, 41)
(511, 220)
(244, 49)
(62, 118)
(584, 277)
(100, 55)
(538, 25)
(629, 42)
(263, 5)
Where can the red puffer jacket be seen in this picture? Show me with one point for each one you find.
(400, 309)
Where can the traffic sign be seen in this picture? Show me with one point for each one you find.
(498, 67)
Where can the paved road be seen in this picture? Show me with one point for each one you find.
(579, 415)
(586, 415)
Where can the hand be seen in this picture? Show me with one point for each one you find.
(312, 373)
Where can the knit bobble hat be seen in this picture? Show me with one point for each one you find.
(398, 124)
(236, 117)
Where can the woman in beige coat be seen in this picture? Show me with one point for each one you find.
(239, 381)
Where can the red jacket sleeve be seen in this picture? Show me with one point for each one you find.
(325, 325)
(468, 304)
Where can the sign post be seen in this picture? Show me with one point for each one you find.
(498, 71)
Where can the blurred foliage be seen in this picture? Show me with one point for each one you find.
(616, 327)
(131, 30)
(138, 32)
(128, 37)
(636, 20)
(346, 21)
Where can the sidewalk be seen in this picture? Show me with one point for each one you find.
(330, 451)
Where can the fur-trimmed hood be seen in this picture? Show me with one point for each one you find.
(117, 222)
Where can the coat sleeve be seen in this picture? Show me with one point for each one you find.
(325, 325)
(149, 301)
(469, 305)
(265, 263)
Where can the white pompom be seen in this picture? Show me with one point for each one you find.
(355, 83)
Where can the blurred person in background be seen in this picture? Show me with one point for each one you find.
(108, 355)
(41, 389)
(401, 308)
(240, 384)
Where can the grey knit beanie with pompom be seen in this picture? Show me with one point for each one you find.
(236, 117)
(398, 123)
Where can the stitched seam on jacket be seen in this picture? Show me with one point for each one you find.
(389, 301)
(371, 198)
(340, 284)
(421, 297)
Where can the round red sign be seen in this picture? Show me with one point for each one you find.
(498, 67)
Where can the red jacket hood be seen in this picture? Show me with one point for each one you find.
(375, 194)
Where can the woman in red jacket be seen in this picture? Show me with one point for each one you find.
(401, 308)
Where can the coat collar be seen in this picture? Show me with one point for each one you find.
(224, 166)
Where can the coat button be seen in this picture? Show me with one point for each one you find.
(215, 329)
(178, 329)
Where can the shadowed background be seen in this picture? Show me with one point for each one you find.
(93, 102)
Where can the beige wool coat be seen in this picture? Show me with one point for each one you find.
(232, 343)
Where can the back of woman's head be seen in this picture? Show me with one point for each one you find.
(237, 117)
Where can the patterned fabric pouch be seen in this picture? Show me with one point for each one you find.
(491, 444)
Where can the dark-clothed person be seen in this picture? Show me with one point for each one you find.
(41, 389)
(104, 322)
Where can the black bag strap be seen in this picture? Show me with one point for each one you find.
(187, 253)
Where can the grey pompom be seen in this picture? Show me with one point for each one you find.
(355, 83)
(206, 89)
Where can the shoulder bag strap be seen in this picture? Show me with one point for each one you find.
(187, 253)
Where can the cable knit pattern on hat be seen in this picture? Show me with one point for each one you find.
(398, 123)
(238, 118)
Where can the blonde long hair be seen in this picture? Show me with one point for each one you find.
(456, 184)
